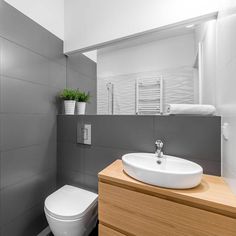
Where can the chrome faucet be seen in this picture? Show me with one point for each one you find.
(159, 154)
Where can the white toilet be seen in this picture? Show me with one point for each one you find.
(71, 211)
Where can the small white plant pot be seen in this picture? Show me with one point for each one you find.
(69, 107)
(81, 106)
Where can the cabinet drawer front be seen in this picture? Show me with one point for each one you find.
(106, 231)
(141, 214)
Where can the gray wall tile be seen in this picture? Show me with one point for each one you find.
(18, 198)
(66, 128)
(91, 182)
(33, 71)
(55, 106)
(25, 130)
(0, 127)
(210, 167)
(190, 137)
(18, 28)
(20, 164)
(81, 81)
(79, 164)
(73, 154)
(125, 132)
(82, 74)
(74, 178)
(78, 179)
(114, 136)
(33, 98)
(57, 75)
(21, 63)
(82, 64)
(96, 158)
(27, 224)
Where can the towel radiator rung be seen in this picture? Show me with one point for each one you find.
(149, 96)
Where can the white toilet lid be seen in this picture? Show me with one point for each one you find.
(70, 202)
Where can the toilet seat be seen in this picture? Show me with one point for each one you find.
(70, 203)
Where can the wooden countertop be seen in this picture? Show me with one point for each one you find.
(213, 194)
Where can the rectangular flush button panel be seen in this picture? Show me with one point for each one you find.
(84, 134)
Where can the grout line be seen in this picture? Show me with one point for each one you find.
(18, 148)
(47, 85)
(59, 141)
(33, 51)
(27, 146)
(25, 179)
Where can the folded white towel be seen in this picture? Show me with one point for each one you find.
(190, 109)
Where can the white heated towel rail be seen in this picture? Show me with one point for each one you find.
(149, 96)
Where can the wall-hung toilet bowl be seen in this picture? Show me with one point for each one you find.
(71, 211)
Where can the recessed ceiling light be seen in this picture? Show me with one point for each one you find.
(190, 26)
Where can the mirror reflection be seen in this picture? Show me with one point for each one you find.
(143, 75)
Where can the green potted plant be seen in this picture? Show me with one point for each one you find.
(69, 96)
(82, 98)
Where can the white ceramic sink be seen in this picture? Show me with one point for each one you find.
(173, 172)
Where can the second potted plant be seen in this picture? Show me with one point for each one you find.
(82, 98)
(69, 96)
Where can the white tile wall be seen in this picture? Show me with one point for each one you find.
(178, 87)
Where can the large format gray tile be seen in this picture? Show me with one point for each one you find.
(210, 167)
(97, 158)
(21, 164)
(82, 74)
(79, 164)
(76, 79)
(70, 156)
(0, 128)
(18, 28)
(82, 64)
(33, 57)
(0, 53)
(85, 83)
(190, 137)
(60, 121)
(55, 106)
(57, 75)
(11, 27)
(50, 129)
(73, 178)
(32, 222)
(1, 180)
(89, 85)
(77, 179)
(18, 96)
(67, 128)
(91, 182)
(22, 63)
(112, 136)
(20, 197)
(25, 130)
(53, 48)
(124, 132)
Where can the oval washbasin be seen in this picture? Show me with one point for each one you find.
(173, 172)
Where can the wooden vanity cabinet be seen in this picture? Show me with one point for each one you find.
(129, 207)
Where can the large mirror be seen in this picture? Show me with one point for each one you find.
(142, 75)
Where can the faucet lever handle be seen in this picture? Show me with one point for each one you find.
(159, 144)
